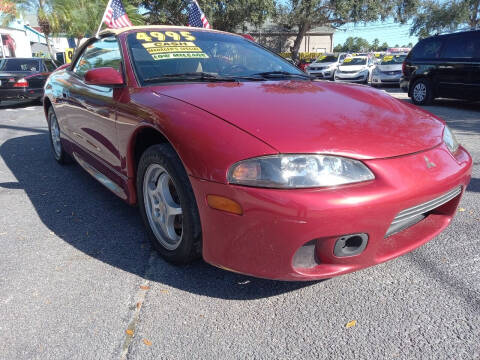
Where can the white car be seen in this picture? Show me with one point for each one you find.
(325, 65)
(356, 69)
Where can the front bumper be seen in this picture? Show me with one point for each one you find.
(277, 224)
(386, 79)
(356, 78)
(404, 84)
(322, 74)
(20, 94)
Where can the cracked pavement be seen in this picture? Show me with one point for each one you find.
(78, 279)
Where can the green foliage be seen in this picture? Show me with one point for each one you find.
(81, 18)
(227, 15)
(435, 16)
(303, 15)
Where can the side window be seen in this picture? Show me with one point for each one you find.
(102, 53)
(50, 66)
(458, 47)
(427, 49)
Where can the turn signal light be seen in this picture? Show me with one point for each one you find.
(224, 204)
(22, 83)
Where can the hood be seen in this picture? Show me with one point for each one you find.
(352, 67)
(393, 67)
(327, 64)
(317, 117)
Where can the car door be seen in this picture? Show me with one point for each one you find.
(91, 119)
(454, 67)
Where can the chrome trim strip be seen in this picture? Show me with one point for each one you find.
(427, 206)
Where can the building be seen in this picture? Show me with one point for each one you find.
(270, 35)
(23, 38)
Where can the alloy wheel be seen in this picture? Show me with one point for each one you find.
(55, 135)
(162, 207)
(420, 92)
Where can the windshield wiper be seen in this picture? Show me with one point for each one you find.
(282, 74)
(194, 76)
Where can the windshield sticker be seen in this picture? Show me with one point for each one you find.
(388, 58)
(347, 60)
(322, 57)
(167, 35)
(170, 47)
(169, 56)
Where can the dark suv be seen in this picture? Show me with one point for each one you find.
(443, 66)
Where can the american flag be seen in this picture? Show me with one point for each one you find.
(115, 15)
(196, 17)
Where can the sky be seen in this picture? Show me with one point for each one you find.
(388, 31)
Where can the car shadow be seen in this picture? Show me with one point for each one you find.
(87, 216)
(474, 185)
(18, 104)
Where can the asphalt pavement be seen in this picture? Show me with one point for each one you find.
(78, 279)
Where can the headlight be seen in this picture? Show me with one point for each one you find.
(450, 140)
(298, 171)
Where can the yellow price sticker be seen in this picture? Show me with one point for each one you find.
(162, 36)
(388, 58)
(347, 60)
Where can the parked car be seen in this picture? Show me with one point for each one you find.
(303, 64)
(233, 161)
(325, 65)
(24, 78)
(443, 66)
(355, 69)
(388, 71)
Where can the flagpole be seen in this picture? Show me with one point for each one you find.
(103, 17)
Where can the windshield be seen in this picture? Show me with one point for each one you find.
(25, 65)
(169, 55)
(326, 59)
(355, 61)
(393, 59)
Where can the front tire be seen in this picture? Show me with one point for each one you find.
(55, 141)
(168, 206)
(422, 92)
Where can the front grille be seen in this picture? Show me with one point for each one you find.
(349, 71)
(415, 214)
(392, 72)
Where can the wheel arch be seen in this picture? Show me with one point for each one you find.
(46, 105)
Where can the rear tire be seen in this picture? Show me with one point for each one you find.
(168, 206)
(422, 92)
(55, 141)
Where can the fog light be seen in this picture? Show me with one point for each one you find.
(350, 245)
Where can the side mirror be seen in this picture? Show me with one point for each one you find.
(105, 76)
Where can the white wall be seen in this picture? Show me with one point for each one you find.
(22, 48)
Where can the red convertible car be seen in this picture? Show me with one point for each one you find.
(233, 154)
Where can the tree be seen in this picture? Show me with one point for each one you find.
(384, 46)
(226, 15)
(375, 45)
(435, 16)
(81, 18)
(38, 7)
(304, 15)
(353, 44)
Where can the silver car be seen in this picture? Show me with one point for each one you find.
(388, 71)
(325, 65)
